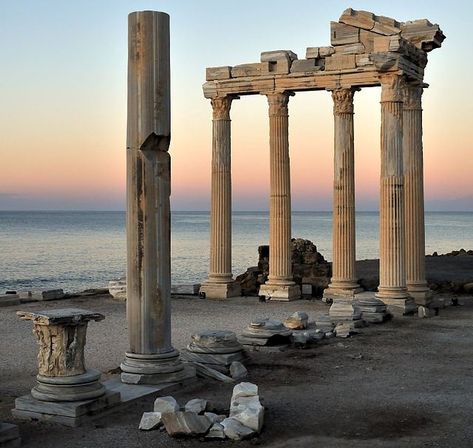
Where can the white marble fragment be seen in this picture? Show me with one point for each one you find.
(238, 371)
(298, 321)
(216, 432)
(150, 420)
(196, 405)
(235, 430)
(244, 390)
(248, 411)
(165, 404)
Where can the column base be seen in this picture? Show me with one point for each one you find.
(335, 291)
(220, 291)
(345, 310)
(421, 294)
(154, 368)
(281, 293)
(372, 309)
(402, 306)
(69, 388)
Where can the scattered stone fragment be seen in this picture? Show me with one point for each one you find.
(205, 371)
(298, 321)
(244, 390)
(196, 405)
(150, 420)
(234, 430)
(329, 334)
(305, 337)
(343, 330)
(214, 418)
(216, 432)
(424, 312)
(185, 423)
(238, 371)
(165, 404)
(248, 411)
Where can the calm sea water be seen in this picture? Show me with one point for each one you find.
(79, 250)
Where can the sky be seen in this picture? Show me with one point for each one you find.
(63, 71)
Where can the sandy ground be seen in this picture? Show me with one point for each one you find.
(406, 383)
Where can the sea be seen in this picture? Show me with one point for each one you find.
(82, 250)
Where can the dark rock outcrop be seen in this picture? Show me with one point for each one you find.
(309, 267)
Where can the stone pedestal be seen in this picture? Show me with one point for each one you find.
(345, 310)
(64, 386)
(414, 195)
(343, 284)
(392, 274)
(151, 358)
(280, 284)
(220, 284)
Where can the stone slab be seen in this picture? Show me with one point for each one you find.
(305, 65)
(280, 293)
(342, 34)
(219, 291)
(214, 73)
(400, 306)
(208, 358)
(158, 378)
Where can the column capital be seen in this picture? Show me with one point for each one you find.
(278, 103)
(412, 96)
(391, 87)
(343, 100)
(221, 107)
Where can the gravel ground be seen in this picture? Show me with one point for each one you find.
(405, 383)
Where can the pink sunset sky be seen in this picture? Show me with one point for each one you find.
(63, 104)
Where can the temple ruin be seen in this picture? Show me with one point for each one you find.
(366, 51)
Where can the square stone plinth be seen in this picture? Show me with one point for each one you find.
(219, 291)
(399, 306)
(281, 293)
(331, 293)
(423, 298)
(9, 435)
(68, 413)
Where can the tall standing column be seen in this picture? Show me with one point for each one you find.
(414, 195)
(151, 358)
(344, 282)
(220, 284)
(280, 284)
(392, 274)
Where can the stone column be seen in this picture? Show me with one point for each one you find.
(151, 358)
(414, 195)
(280, 284)
(220, 284)
(344, 282)
(392, 274)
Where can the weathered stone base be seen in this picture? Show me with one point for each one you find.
(400, 306)
(68, 413)
(332, 293)
(187, 372)
(69, 388)
(219, 291)
(344, 310)
(9, 435)
(422, 296)
(372, 310)
(281, 293)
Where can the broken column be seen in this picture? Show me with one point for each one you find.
(392, 274)
(65, 391)
(280, 284)
(220, 284)
(151, 358)
(413, 159)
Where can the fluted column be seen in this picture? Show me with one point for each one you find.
(344, 282)
(220, 284)
(414, 195)
(280, 284)
(151, 358)
(392, 273)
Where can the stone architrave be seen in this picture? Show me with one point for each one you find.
(151, 358)
(61, 336)
(414, 194)
(280, 284)
(343, 285)
(392, 273)
(220, 284)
